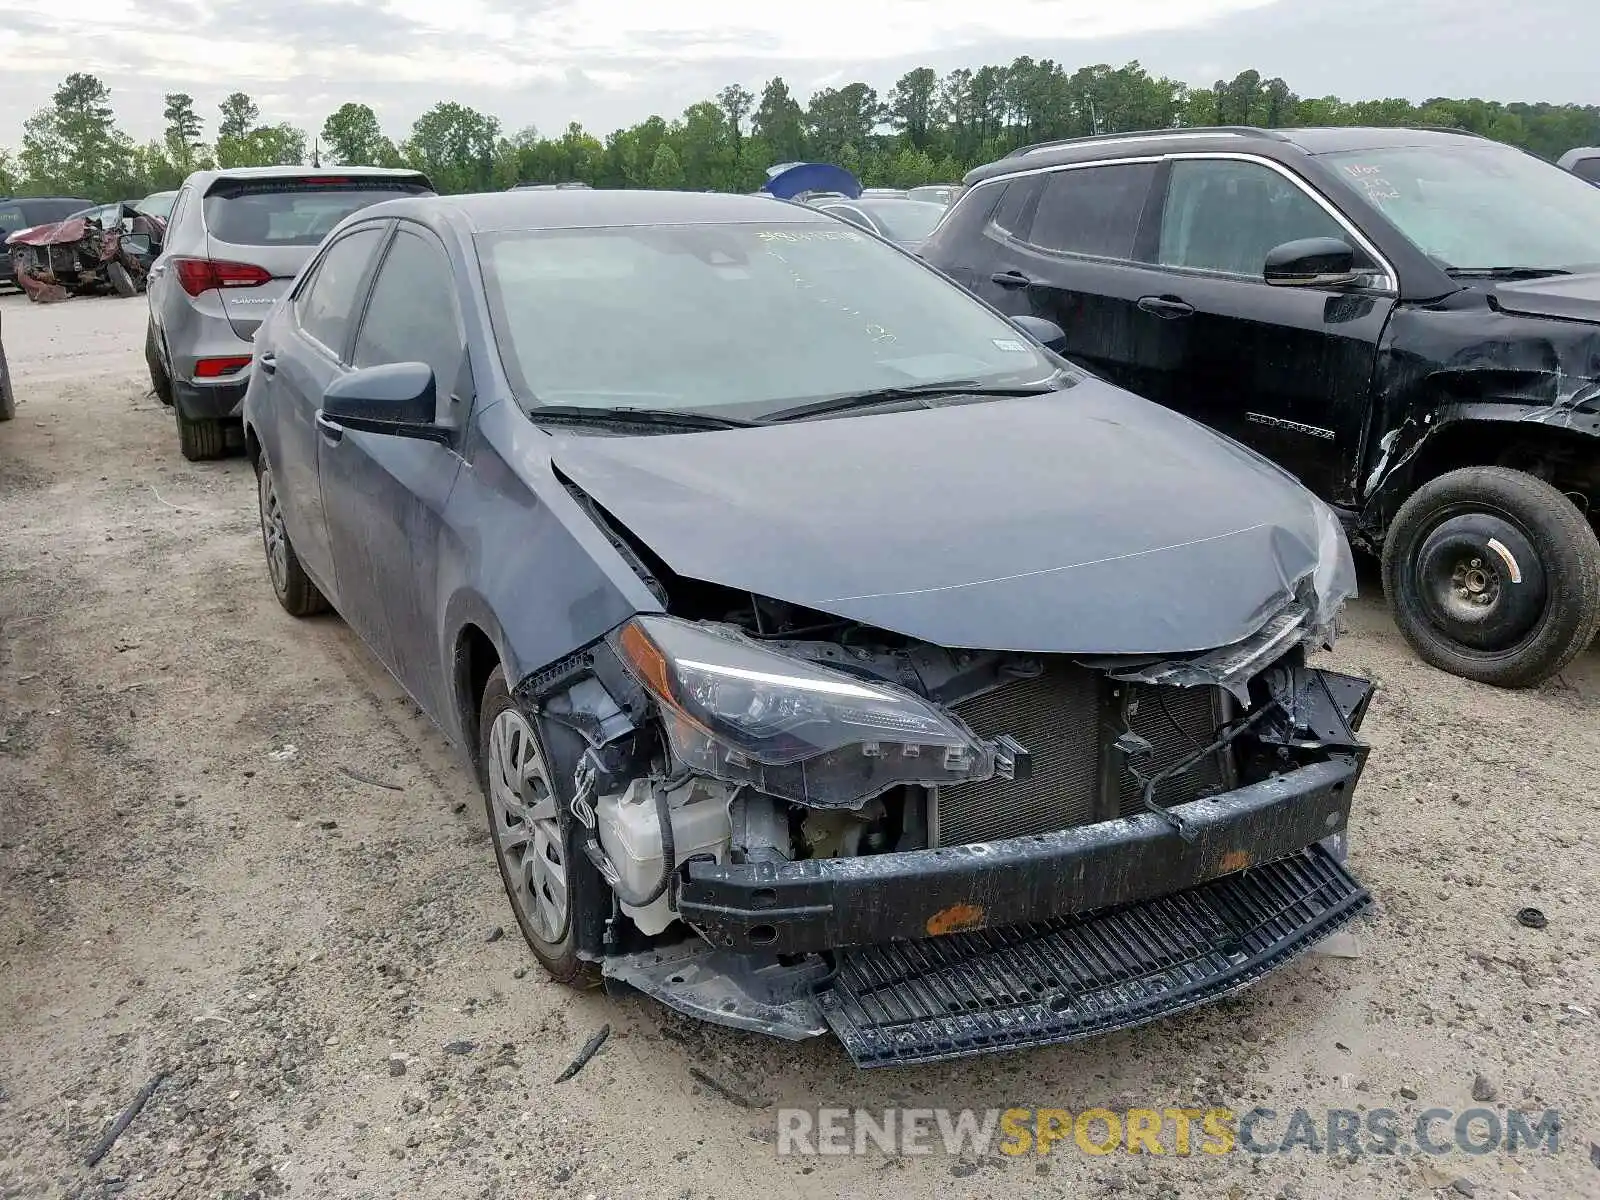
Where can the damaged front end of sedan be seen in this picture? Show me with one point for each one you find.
(804, 822)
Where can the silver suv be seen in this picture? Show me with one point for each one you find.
(235, 241)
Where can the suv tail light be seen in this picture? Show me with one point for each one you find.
(196, 275)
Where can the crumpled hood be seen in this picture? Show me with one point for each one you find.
(1088, 521)
(1562, 297)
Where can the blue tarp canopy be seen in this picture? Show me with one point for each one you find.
(788, 180)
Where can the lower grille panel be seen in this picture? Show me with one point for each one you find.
(1081, 976)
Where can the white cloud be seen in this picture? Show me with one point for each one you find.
(606, 63)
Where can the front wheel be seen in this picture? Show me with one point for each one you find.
(533, 839)
(122, 280)
(1493, 575)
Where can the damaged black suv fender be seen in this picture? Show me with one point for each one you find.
(1408, 320)
(804, 692)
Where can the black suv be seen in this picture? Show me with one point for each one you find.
(1408, 320)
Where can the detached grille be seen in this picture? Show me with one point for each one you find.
(1067, 718)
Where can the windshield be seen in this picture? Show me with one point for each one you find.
(746, 318)
(158, 204)
(1479, 204)
(281, 211)
(905, 220)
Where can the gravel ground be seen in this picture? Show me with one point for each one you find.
(193, 886)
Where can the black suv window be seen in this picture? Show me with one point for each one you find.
(1092, 210)
(326, 305)
(1225, 215)
(1587, 168)
(410, 317)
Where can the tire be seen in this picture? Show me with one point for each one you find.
(539, 795)
(121, 280)
(201, 441)
(290, 583)
(160, 381)
(1493, 575)
(8, 398)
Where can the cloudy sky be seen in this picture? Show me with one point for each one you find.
(612, 62)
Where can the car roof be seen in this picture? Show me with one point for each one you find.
(501, 212)
(1306, 140)
(204, 179)
(1577, 154)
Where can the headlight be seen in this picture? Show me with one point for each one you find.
(737, 711)
(1334, 580)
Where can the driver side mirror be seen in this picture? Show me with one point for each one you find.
(1047, 333)
(399, 399)
(1313, 262)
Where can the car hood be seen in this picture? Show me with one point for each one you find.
(1564, 297)
(1086, 521)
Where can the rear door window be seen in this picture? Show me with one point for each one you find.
(1092, 210)
(1587, 168)
(293, 212)
(327, 306)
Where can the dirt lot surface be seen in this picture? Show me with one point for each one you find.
(194, 885)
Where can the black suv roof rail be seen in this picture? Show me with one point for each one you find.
(1136, 134)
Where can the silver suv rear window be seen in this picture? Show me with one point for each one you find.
(294, 212)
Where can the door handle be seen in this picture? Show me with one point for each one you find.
(1011, 279)
(331, 430)
(1168, 308)
(268, 363)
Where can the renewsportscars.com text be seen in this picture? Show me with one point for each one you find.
(1173, 1131)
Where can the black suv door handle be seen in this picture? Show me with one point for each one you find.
(1167, 307)
(268, 362)
(331, 430)
(1011, 279)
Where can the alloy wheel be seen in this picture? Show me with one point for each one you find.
(528, 834)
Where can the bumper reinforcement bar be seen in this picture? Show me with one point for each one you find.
(1080, 976)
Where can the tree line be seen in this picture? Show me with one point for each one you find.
(926, 128)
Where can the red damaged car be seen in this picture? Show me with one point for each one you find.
(99, 249)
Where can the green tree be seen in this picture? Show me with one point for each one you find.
(74, 146)
(780, 123)
(280, 145)
(454, 145)
(354, 137)
(665, 172)
(911, 105)
(239, 116)
(706, 149)
(735, 103)
(840, 117)
(181, 143)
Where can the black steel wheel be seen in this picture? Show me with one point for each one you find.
(1493, 575)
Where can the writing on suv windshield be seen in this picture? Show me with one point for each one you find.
(1476, 206)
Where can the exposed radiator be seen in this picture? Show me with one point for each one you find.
(1066, 718)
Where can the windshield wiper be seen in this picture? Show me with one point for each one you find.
(921, 392)
(1503, 272)
(666, 418)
